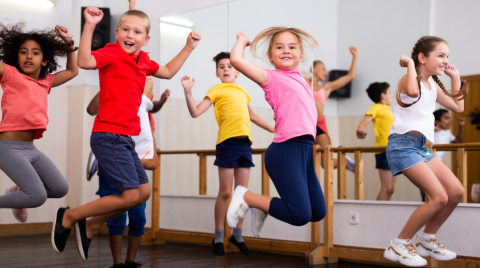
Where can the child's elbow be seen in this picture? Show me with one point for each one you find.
(459, 109)
(234, 61)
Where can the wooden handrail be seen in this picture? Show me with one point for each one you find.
(205, 152)
(318, 253)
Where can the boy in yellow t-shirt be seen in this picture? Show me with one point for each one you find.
(233, 150)
(382, 117)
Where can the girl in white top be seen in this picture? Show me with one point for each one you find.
(413, 125)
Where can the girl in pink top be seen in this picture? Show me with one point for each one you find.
(26, 63)
(289, 159)
(322, 92)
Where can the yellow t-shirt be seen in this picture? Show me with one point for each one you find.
(231, 110)
(382, 122)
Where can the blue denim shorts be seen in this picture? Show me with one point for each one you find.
(405, 151)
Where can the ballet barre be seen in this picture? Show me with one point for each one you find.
(314, 251)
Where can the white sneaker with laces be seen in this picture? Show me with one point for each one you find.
(258, 219)
(406, 254)
(433, 248)
(238, 208)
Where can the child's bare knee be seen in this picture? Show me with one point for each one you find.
(224, 194)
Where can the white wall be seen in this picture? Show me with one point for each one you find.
(382, 33)
(378, 221)
(456, 22)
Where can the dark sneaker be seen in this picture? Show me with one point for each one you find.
(218, 248)
(240, 245)
(59, 233)
(133, 265)
(120, 265)
(83, 242)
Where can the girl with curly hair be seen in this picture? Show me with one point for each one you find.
(289, 159)
(413, 125)
(27, 60)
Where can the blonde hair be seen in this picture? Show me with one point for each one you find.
(139, 14)
(268, 36)
(315, 62)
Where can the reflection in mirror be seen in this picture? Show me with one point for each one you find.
(219, 35)
(382, 34)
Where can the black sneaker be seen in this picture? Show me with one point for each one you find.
(83, 242)
(218, 248)
(133, 265)
(59, 233)
(240, 245)
(120, 265)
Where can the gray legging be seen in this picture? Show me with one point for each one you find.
(35, 174)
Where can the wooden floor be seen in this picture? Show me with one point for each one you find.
(36, 251)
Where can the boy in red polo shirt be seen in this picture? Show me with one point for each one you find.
(123, 68)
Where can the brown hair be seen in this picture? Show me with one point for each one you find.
(220, 56)
(269, 35)
(425, 45)
(140, 15)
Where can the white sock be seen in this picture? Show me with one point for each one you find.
(425, 237)
(397, 241)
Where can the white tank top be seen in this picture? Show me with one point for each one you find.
(418, 117)
(144, 141)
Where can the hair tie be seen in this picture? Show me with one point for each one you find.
(464, 81)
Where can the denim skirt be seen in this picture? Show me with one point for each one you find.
(405, 151)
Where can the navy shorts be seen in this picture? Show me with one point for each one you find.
(118, 158)
(233, 152)
(381, 161)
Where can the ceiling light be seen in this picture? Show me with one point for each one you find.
(177, 21)
(32, 3)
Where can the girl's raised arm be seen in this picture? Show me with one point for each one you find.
(447, 101)
(342, 81)
(256, 73)
(409, 83)
(72, 67)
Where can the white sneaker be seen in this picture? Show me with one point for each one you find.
(20, 214)
(433, 248)
(258, 219)
(406, 254)
(238, 207)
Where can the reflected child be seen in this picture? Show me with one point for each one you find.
(382, 117)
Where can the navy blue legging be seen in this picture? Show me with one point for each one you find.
(290, 166)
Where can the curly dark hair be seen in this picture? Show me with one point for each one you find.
(12, 37)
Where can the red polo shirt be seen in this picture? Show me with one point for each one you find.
(122, 81)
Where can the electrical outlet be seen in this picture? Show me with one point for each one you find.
(353, 218)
